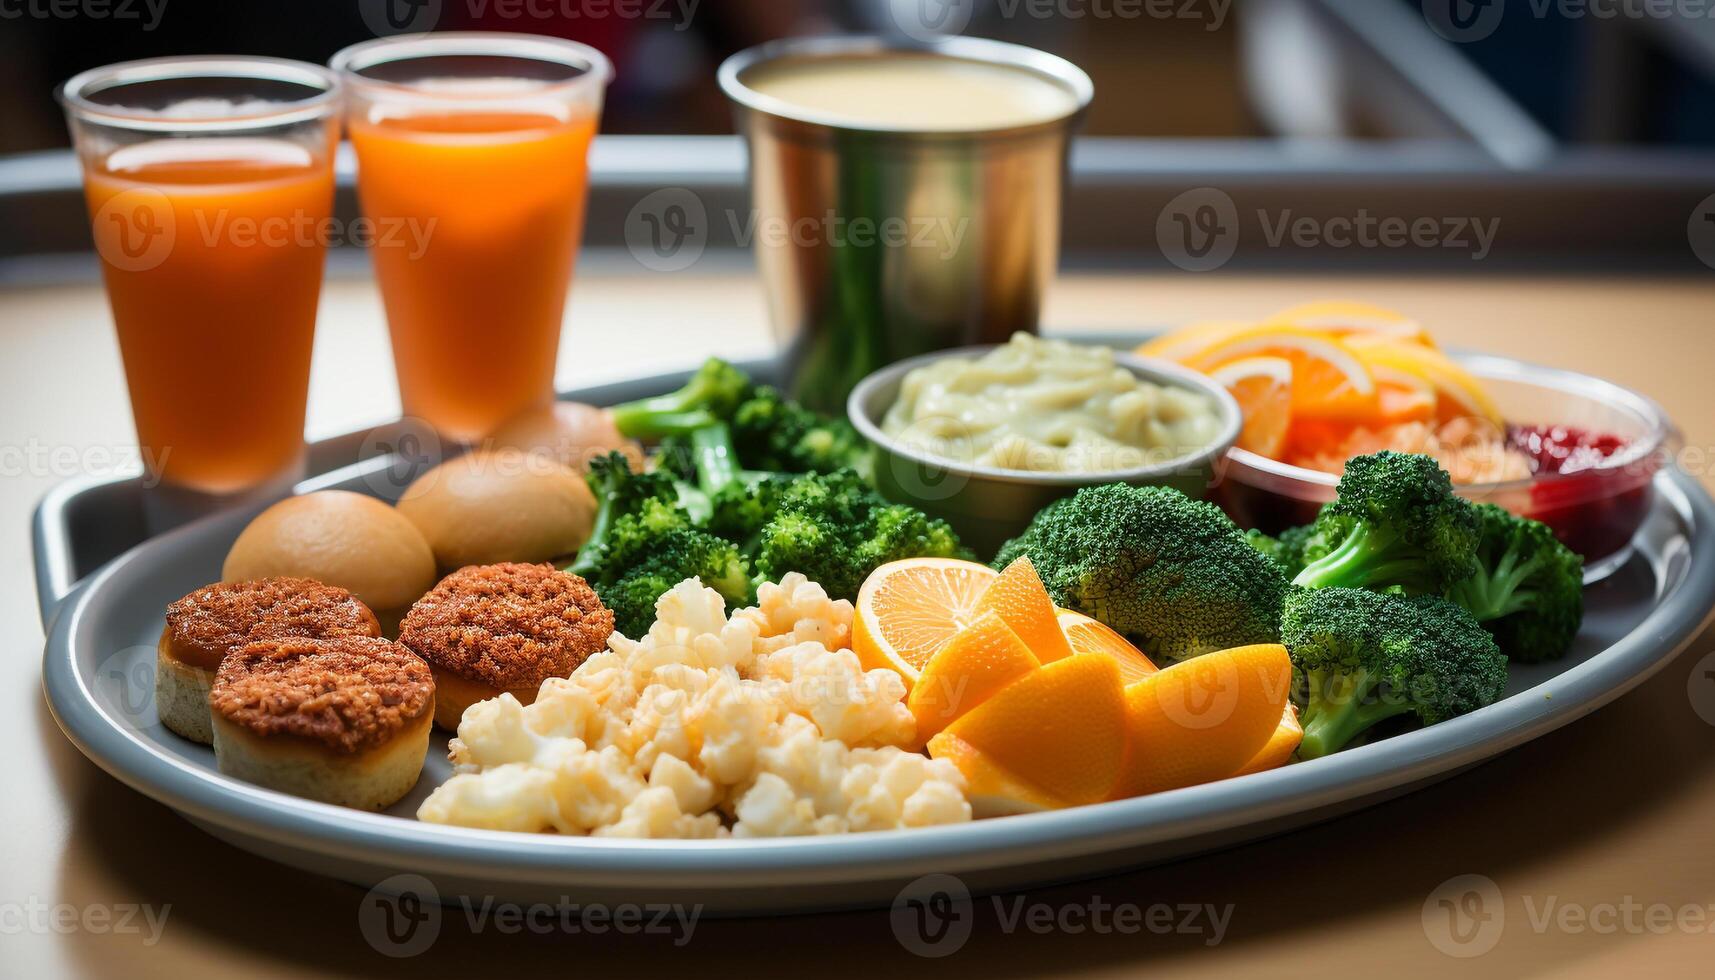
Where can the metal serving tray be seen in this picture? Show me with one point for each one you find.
(100, 655)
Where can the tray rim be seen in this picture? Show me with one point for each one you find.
(496, 856)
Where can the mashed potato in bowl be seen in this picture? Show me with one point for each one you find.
(759, 725)
(1048, 406)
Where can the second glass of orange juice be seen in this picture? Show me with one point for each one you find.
(478, 144)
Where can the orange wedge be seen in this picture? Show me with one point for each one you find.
(1187, 340)
(992, 790)
(1458, 393)
(1020, 599)
(1279, 747)
(1202, 719)
(906, 611)
(1328, 379)
(974, 665)
(1060, 728)
(1263, 388)
(1088, 635)
(1345, 317)
(1402, 396)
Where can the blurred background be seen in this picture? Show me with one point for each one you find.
(1602, 72)
(1582, 126)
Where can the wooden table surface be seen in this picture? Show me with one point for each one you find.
(1598, 837)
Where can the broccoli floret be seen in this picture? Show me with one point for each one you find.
(618, 492)
(835, 529)
(1173, 574)
(772, 433)
(1363, 657)
(1528, 588)
(711, 395)
(1287, 549)
(657, 546)
(1396, 522)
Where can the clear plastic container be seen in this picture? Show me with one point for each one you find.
(1595, 511)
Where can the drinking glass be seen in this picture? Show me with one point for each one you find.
(210, 189)
(477, 143)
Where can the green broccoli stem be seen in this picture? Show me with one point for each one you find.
(1337, 712)
(639, 420)
(589, 554)
(1493, 593)
(1365, 556)
(715, 457)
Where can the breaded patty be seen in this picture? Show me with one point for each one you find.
(348, 693)
(509, 626)
(207, 624)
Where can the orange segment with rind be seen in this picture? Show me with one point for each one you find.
(992, 791)
(1328, 378)
(908, 610)
(1087, 635)
(1021, 600)
(1458, 393)
(1060, 728)
(1202, 719)
(1277, 751)
(1352, 317)
(976, 663)
(1263, 388)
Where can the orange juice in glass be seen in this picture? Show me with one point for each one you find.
(480, 144)
(210, 188)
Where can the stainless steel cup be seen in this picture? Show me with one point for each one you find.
(878, 244)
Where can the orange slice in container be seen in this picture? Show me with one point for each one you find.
(1348, 317)
(1328, 379)
(1402, 396)
(1458, 393)
(1188, 340)
(1088, 635)
(908, 610)
(1263, 388)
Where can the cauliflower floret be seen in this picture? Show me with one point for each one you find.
(767, 717)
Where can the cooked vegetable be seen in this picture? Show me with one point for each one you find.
(710, 395)
(1528, 588)
(1288, 549)
(1364, 657)
(1174, 575)
(1396, 523)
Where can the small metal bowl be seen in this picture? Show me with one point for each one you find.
(987, 505)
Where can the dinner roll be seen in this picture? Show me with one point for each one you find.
(571, 432)
(339, 538)
(500, 505)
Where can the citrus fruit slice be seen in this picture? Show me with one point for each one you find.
(1060, 728)
(1328, 379)
(1020, 599)
(1279, 747)
(907, 610)
(1343, 317)
(1088, 635)
(1402, 396)
(1458, 393)
(1187, 340)
(1263, 388)
(976, 663)
(992, 790)
(1202, 719)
